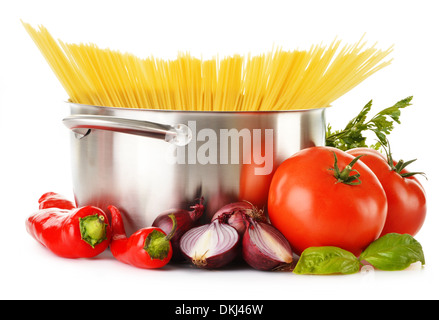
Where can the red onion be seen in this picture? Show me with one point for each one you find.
(235, 214)
(185, 220)
(265, 248)
(211, 245)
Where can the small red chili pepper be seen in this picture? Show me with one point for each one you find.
(70, 233)
(55, 200)
(147, 248)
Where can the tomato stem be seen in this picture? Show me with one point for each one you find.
(345, 176)
(400, 165)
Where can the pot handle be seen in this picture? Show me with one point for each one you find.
(81, 125)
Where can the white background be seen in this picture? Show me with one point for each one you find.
(35, 145)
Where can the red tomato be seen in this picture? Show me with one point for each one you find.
(311, 208)
(254, 184)
(252, 187)
(406, 200)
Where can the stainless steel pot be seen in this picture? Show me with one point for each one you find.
(149, 161)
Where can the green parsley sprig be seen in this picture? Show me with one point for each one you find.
(381, 124)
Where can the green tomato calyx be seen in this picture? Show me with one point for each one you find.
(345, 176)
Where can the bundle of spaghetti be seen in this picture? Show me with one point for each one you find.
(277, 80)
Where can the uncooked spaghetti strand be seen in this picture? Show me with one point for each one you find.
(53, 56)
(276, 80)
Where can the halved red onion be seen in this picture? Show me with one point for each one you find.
(265, 248)
(185, 220)
(235, 214)
(211, 245)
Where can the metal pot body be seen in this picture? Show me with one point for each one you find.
(148, 161)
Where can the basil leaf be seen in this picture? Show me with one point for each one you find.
(327, 260)
(393, 251)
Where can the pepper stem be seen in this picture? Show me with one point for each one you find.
(345, 176)
(93, 229)
(174, 227)
(157, 244)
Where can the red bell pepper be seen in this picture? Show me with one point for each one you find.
(147, 248)
(69, 232)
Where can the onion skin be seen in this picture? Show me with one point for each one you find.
(236, 215)
(253, 255)
(185, 219)
(237, 220)
(213, 262)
